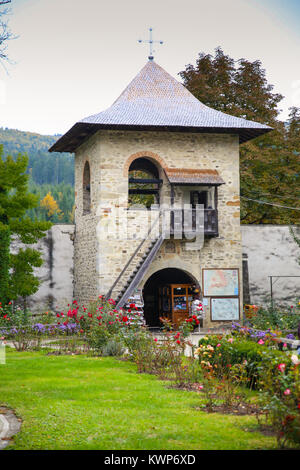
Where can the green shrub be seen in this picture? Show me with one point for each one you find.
(275, 317)
(230, 351)
(273, 373)
(112, 348)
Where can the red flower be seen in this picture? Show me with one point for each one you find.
(125, 319)
(178, 341)
(132, 305)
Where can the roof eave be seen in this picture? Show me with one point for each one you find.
(81, 131)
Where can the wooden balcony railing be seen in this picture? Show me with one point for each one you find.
(187, 221)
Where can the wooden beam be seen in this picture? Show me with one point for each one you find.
(145, 180)
(143, 191)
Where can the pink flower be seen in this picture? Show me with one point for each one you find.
(155, 339)
(200, 387)
(281, 367)
(287, 392)
(284, 345)
(218, 345)
(261, 341)
(230, 340)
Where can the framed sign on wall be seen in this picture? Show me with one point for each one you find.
(220, 282)
(225, 308)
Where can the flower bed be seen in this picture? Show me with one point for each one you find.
(274, 374)
(92, 327)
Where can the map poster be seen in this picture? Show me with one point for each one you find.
(225, 309)
(220, 282)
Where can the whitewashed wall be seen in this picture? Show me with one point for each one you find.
(271, 251)
(56, 274)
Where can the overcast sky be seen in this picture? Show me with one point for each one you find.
(73, 58)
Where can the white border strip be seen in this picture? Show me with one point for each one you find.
(5, 426)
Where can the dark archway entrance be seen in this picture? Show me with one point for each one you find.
(168, 293)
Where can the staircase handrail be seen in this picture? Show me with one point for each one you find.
(132, 257)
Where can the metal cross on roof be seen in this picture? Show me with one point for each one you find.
(150, 41)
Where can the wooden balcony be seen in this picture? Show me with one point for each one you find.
(186, 222)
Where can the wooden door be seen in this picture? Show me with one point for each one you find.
(181, 300)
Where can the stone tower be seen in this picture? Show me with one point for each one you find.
(160, 147)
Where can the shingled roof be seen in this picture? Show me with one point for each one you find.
(154, 100)
(184, 176)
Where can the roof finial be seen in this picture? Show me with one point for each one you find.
(150, 41)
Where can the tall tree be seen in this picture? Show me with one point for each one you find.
(15, 201)
(50, 207)
(270, 163)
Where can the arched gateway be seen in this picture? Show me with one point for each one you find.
(168, 293)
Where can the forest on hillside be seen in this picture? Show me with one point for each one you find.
(51, 174)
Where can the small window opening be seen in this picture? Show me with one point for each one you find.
(86, 190)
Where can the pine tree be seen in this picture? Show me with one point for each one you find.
(16, 270)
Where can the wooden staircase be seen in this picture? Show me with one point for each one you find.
(136, 267)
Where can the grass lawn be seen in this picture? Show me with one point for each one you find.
(80, 402)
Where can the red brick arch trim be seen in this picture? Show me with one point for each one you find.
(145, 153)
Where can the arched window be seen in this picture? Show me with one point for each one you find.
(143, 183)
(86, 189)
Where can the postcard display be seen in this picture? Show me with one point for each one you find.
(221, 288)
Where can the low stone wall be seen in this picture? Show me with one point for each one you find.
(56, 274)
(269, 250)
